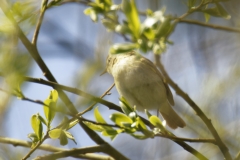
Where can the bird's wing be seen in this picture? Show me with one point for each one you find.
(155, 70)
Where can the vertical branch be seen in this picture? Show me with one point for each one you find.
(39, 23)
(194, 106)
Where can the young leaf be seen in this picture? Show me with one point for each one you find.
(109, 133)
(73, 123)
(222, 11)
(125, 106)
(49, 110)
(42, 120)
(55, 133)
(122, 48)
(156, 122)
(100, 119)
(37, 126)
(120, 118)
(53, 95)
(130, 10)
(147, 113)
(63, 139)
(98, 116)
(70, 136)
(138, 136)
(108, 24)
(94, 127)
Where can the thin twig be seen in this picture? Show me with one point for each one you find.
(213, 26)
(39, 23)
(199, 140)
(35, 147)
(194, 106)
(90, 107)
(23, 98)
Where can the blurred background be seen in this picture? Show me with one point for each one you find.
(204, 62)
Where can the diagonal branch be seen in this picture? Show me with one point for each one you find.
(194, 106)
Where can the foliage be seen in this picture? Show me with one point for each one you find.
(149, 34)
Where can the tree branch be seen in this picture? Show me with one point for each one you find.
(213, 26)
(194, 106)
(71, 152)
(39, 23)
(49, 148)
(35, 147)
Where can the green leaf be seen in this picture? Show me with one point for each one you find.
(120, 118)
(207, 17)
(140, 123)
(49, 110)
(73, 123)
(98, 116)
(149, 33)
(143, 128)
(122, 29)
(217, 11)
(55, 133)
(108, 24)
(164, 28)
(143, 45)
(63, 139)
(109, 133)
(130, 10)
(88, 11)
(139, 136)
(122, 48)
(100, 119)
(125, 106)
(53, 95)
(70, 136)
(42, 120)
(222, 11)
(37, 126)
(191, 3)
(94, 127)
(33, 137)
(147, 113)
(154, 120)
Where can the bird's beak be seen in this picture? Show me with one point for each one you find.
(105, 71)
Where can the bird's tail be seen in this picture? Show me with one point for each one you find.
(172, 118)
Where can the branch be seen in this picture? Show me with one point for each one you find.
(35, 147)
(49, 148)
(39, 23)
(194, 106)
(71, 152)
(213, 26)
(23, 98)
(188, 139)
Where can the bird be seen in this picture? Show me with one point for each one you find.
(139, 81)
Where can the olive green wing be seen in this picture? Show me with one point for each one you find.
(155, 70)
